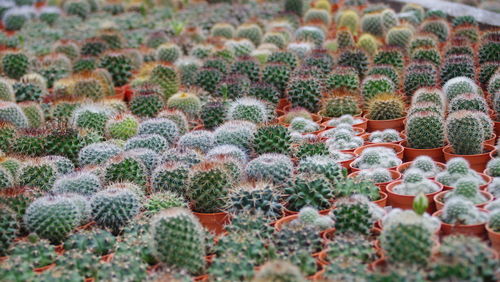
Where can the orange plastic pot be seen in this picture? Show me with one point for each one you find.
(396, 124)
(491, 141)
(404, 166)
(438, 199)
(355, 169)
(487, 179)
(283, 221)
(494, 238)
(329, 234)
(398, 149)
(45, 268)
(478, 230)
(477, 162)
(405, 202)
(410, 153)
(382, 202)
(497, 128)
(107, 258)
(395, 175)
(214, 221)
(289, 212)
(346, 164)
(282, 103)
(201, 278)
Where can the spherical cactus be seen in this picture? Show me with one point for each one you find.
(113, 208)
(457, 66)
(427, 54)
(37, 173)
(251, 32)
(275, 38)
(310, 33)
(63, 165)
(248, 109)
(438, 27)
(353, 215)
(468, 101)
(170, 176)
(488, 50)
(467, 188)
(14, 18)
(304, 91)
(239, 133)
(374, 85)
(465, 133)
(317, 16)
(425, 130)
(9, 228)
(386, 106)
(368, 43)
(343, 78)
(164, 127)
(52, 217)
(187, 68)
(337, 106)
(178, 227)
(7, 90)
(92, 117)
(459, 211)
(78, 8)
(276, 168)
(122, 127)
(15, 64)
(296, 7)
(246, 66)
(344, 39)
(278, 271)
(239, 47)
(167, 78)
(33, 113)
(356, 59)
(84, 183)
(277, 74)
(98, 153)
(184, 155)
(272, 139)
(208, 78)
(119, 66)
(390, 56)
(323, 165)
(308, 190)
(399, 36)
(228, 150)
(413, 230)
(153, 142)
(186, 102)
(233, 87)
(125, 168)
(168, 52)
(212, 114)
(350, 20)
(258, 198)
(147, 101)
(419, 75)
(308, 215)
(459, 85)
(209, 184)
(222, 30)
(202, 140)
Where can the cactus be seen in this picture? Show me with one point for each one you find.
(181, 228)
(257, 198)
(457, 66)
(344, 39)
(208, 78)
(239, 47)
(350, 20)
(276, 74)
(153, 142)
(125, 167)
(414, 183)
(98, 153)
(419, 75)
(208, 186)
(411, 229)
(212, 114)
(170, 176)
(52, 217)
(251, 32)
(343, 78)
(15, 18)
(185, 155)
(166, 78)
(461, 211)
(368, 43)
(337, 106)
(228, 150)
(488, 49)
(84, 183)
(439, 28)
(119, 66)
(29, 142)
(354, 215)
(376, 157)
(356, 59)
(314, 15)
(377, 175)
(271, 139)
(121, 126)
(7, 90)
(223, 30)
(399, 36)
(386, 106)
(248, 109)
(33, 113)
(37, 173)
(91, 117)
(468, 189)
(168, 52)
(384, 136)
(390, 56)
(163, 200)
(278, 271)
(372, 23)
(113, 208)
(247, 66)
(147, 101)
(459, 85)
(374, 85)
(314, 191)
(276, 168)
(322, 165)
(63, 165)
(304, 92)
(429, 122)
(465, 132)
(15, 64)
(275, 38)
(9, 228)
(25, 250)
(239, 133)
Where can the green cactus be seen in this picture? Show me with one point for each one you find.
(386, 106)
(45, 253)
(304, 91)
(15, 64)
(457, 66)
(9, 228)
(343, 78)
(125, 168)
(356, 59)
(171, 176)
(278, 271)
(98, 153)
(113, 208)
(276, 168)
(309, 190)
(99, 242)
(208, 186)
(419, 75)
(119, 66)
(84, 183)
(163, 200)
(465, 132)
(212, 114)
(239, 133)
(430, 123)
(257, 198)
(373, 23)
(462, 212)
(147, 101)
(272, 139)
(488, 49)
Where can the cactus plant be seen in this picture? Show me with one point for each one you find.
(386, 106)
(258, 198)
(465, 132)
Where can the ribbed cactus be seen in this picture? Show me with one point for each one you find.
(465, 133)
(208, 186)
(350, 20)
(178, 227)
(272, 139)
(52, 217)
(9, 228)
(304, 92)
(276, 168)
(386, 106)
(11, 113)
(98, 153)
(15, 64)
(425, 130)
(37, 173)
(84, 183)
(170, 176)
(309, 190)
(147, 100)
(167, 78)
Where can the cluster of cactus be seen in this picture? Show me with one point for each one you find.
(377, 157)
(414, 183)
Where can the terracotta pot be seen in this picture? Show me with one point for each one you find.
(201, 278)
(282, 103)
(404, 166)
(494, 238)
(283, 221)
(438, 199)
(483, 187)
(346, 164)
(478, 230)
(329, 234)
(153, 268)
(358, 132)
(125, 91)
(382, 185)
(491, 141)
(107, 258)
(410, 153)
(213, 221)
(497, 128)
(119, 94)
(366, 137)
(87, 226)
(396, 147)
(42, 269)
(477, 162)
(318, 276)
(382, 202)
(396, 124)
(405, 202)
